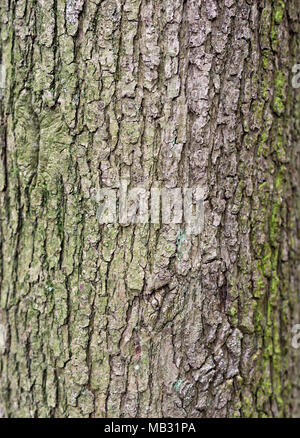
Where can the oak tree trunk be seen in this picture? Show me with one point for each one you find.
(144, 320)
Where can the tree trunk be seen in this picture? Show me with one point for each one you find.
(145, 319)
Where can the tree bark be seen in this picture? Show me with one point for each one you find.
(130, 320)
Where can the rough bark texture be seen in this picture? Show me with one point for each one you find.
(131, 321)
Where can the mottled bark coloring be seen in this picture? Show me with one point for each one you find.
(112, 320)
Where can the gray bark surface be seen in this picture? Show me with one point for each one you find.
(136, 321)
